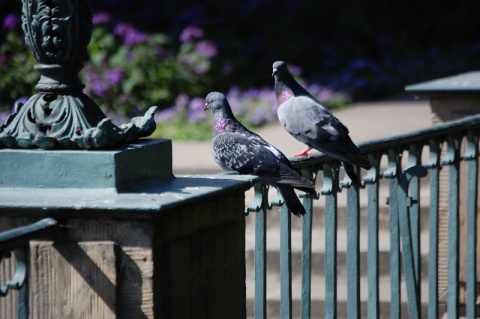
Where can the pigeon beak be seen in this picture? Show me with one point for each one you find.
(274, 71)
(206, 107)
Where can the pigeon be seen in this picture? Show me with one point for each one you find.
(235, 148)
(313, 124)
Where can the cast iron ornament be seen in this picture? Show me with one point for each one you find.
(60, 115)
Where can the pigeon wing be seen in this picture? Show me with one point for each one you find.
(250, 154)
(244, 154)
(307, 120)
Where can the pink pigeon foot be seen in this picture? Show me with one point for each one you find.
(306, 152)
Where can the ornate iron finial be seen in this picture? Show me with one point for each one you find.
(60, 115)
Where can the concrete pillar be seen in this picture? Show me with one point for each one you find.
(452, 98)
(135, 241)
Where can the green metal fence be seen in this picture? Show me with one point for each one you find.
(406, 161)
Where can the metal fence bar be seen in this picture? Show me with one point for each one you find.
(414, 216)
(407, 242)
(307, 251)
(330, 192)
(372, 254)
(285, 263)
(260, 302)
(353, 255)
(307, 259)
(434, 165)
(391, 173)
(472, 190)
(21, 235)
(452, 159)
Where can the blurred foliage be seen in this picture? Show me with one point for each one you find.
(397, 42)
(17, 76)
(129, 78)
(158, 52)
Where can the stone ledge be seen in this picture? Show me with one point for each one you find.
(146, 201)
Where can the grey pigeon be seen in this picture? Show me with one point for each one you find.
(236, 148)
(313, 124)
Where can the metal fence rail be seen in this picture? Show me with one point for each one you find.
(406, 161)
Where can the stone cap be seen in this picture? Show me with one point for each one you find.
(464, 83)
(104, 171)
(145, 202)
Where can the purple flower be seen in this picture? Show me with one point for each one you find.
(166, 115)
(160, 53)
(22, 100)
(135, 37)
(326, 94)
(200, 68)
(3, 117)
(122, 28)
(173, 112)
(11, 21)
(131, 36)
(113, 76)
(181, 102)
(190, 33)
(195, 110)
(99, 88)
(206, 49)
(101, 18)
(130, 56)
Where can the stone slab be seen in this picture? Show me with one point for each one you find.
(115, 170)
(462, 83)
(148, 201)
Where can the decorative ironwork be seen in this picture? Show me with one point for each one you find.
(60, 115)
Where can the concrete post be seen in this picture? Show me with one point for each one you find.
(452, 98)
(136, 241)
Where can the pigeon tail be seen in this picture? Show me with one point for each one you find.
(290, 177)
(350, 170)
(358, 160)
(291, 200)
(345, 151)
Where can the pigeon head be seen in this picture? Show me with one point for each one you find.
(218, 104)
(285, 85)
(279, 69)
(223, 118)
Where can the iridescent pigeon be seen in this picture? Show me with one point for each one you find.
(236, 148)
(310, 122)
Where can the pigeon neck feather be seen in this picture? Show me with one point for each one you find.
(222, 124)
(282, 92)
(287, 87)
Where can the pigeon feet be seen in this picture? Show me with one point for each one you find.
(306, 152)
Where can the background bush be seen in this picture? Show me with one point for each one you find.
(172, 53)
(370, 48)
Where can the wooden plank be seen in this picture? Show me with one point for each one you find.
(73, 280)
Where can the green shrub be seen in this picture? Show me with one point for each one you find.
(128, 70)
